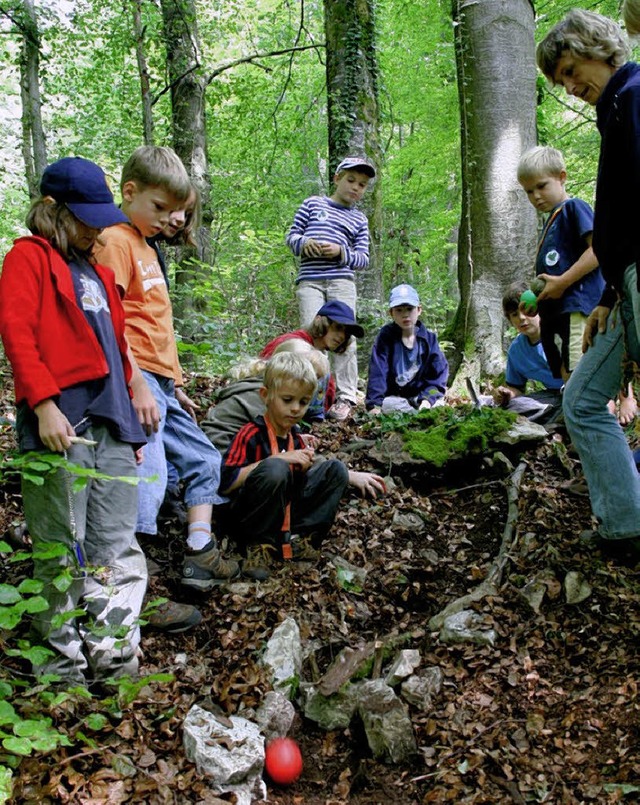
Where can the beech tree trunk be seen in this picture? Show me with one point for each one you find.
(353, 111)
(495, 55)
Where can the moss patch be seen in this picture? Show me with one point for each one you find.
(439, 435)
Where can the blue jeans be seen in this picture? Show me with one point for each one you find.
(180, 441)
(607, 461)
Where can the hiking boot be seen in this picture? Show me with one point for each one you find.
(303, 549)
(340, 410)
(173, 618)
(207, 568)
(260, 561)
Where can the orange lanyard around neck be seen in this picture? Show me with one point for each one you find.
(275, 449)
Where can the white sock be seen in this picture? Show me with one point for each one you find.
(199, 535)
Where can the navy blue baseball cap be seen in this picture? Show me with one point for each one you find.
(341, 313)
(82, 186)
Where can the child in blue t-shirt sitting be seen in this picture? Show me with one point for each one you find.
(407, 370)
(526, 361)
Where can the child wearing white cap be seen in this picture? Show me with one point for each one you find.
(331, 238)
(407, 369)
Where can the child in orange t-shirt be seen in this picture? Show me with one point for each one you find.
(154, 183)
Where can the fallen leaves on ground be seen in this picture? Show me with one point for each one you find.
(549, 714)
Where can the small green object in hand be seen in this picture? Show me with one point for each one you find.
(529, 303)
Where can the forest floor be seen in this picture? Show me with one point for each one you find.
(549, 714)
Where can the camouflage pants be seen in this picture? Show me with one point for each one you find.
(105, 568)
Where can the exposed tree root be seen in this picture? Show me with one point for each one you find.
(494, 575)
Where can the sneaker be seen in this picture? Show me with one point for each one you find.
(260, 561)
(173, 617)
(303, 549)
(207, 568)
(340, 410)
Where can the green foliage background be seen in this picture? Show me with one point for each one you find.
(267, 138)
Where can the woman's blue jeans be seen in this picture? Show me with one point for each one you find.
(607, 461)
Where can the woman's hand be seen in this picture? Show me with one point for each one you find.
(596, 323)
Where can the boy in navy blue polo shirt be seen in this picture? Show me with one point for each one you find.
(565, 259)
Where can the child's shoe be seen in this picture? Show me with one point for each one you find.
(173, 617)
(340, 410)
(207, 568)
(260, 561)
(303, 549)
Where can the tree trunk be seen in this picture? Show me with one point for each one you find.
(143, 71)
(188, 87)
(495, 59)
(352, 98)
(33, 143)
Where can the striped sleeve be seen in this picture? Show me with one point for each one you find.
(246, 448)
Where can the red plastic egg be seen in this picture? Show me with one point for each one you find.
(283, 761)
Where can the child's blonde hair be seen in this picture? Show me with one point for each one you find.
(56, 223)
(316, 358)
(289, 367)
(158, 166)
(252, 367)
(631, 16)
(540, 161)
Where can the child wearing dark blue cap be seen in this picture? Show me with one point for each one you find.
(62, 326)
(332, 330)
(331, 238)
(407, 369)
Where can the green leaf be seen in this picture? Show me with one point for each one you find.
(8, 714)
(10, 617)
(50, 550)
(36, 604)
(36, 655)
(32, 727)
(9, 594)
(6, 784)
(623, 788)
(47, 743)
(62, 617)
(6, 689)
(30, 586)
(79, 484)
(95, 721)
(5, 548)
(19, 746)
(36, 480)
(63, 580)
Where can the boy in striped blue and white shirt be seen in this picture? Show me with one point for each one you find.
(331, 238)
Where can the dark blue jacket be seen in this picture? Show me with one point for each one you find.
(617, 210)
(429, 383)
